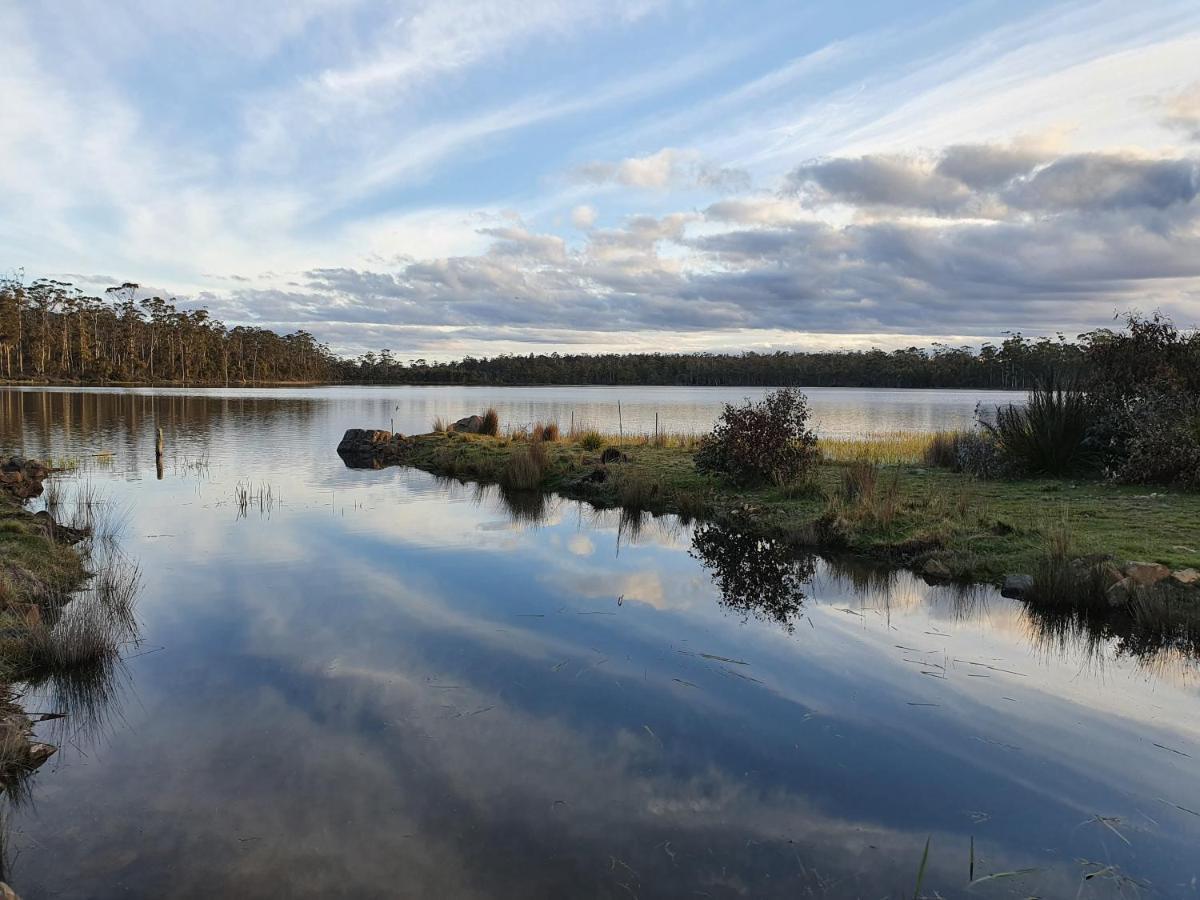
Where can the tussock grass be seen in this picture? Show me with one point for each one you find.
(544, 431)
(637, 492)
(1047, 435)
(591, 439)
(524, 468)
(491, 422)
(440, 425)
(942, 450)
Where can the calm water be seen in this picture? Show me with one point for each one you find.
(384, 685)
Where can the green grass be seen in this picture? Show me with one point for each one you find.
(982, 530)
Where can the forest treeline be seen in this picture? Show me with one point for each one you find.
(51, 331)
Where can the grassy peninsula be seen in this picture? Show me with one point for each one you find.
(903, 512)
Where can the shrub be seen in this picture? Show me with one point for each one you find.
(1161, 443)
(491, 423)
(1049, 434)
(765, 442)
(978, 455)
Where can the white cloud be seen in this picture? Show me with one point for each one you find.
(583, 217)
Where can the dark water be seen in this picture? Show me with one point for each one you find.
(384, 685)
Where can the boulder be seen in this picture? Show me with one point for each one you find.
(359, 447)
(1017, 586)
(1146, 573)
(1186, 577)
(468, 425)
(935, 568)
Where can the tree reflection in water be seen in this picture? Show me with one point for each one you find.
(756, 576)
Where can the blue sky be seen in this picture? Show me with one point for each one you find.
(491, 176)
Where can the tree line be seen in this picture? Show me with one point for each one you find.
(50, 330)
(1015, 364)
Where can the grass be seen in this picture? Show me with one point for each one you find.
(491, 423)
(885, 448)
(980, 529)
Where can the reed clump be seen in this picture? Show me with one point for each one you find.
(525, 467)
(491, 422)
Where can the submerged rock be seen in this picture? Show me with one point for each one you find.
(22, 477)
(1016, 586)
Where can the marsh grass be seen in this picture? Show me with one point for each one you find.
(248, 496)
(636, 491)
(942, 450)
(885, 448)
(591, 439)
(440, 425)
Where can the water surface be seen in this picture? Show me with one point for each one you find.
(381, 684)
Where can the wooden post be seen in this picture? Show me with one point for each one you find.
(620, 423)
(158, 444)
(158, 455)
(656, 428)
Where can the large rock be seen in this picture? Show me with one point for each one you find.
(1017, 586)
(468, 425)
(360, 446)
(1146, 573)
(22, 477)
(1186, 577)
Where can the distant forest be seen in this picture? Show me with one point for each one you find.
(51, 331)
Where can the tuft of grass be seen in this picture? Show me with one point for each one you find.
(590, 439)
(636, 492)
(942, 450)
(491, 422)
(440, 425)
(692, 505)
(524, 469)
(858, 481)
(1046, 436)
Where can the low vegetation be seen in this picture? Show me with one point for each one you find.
(768, 442)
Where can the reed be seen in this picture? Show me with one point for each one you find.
(887, 448)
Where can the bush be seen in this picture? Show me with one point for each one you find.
(1049, 434)
(491, 423)
(1161, 443)
(758, 443)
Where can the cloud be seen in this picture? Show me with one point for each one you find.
(583, 217)
(1183, 112)
(981, 181)
(667, 168)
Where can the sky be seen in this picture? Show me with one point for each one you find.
(492, 176)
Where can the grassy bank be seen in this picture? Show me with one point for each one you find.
(899, 511)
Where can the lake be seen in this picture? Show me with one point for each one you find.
(383, 684)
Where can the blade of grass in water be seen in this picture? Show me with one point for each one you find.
(921, 871)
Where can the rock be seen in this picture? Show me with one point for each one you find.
(7, 893)
(38, 754)
(610, 455)
(468, 425)
(359, 447)
(1186, 577)
(935, 568)
(1146, 573)
(1122, 592)
(1016, 586)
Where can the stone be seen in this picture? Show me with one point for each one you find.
(1186, 577)
(1146, 573)
(935, 568)
(39, 753)
(1122, 592)
(468, 425)
(7, 893)
(1016, 586)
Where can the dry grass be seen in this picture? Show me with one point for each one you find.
(491, 423)
(440, 425)
(942, 452)
(544, 431)
(589, 439)
(886, 448)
